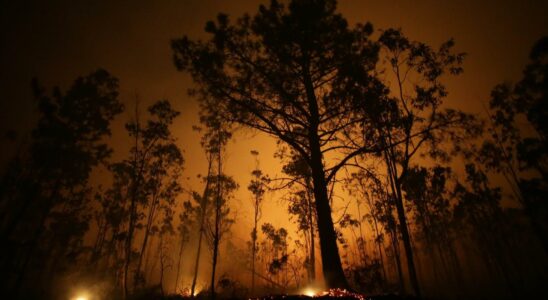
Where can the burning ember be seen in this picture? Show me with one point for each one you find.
(342, 293)
(311, 293)
(82, 296)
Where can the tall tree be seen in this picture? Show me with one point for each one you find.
(186, 222)
(280, 72)
(220, 222)
(411, 119)
(202, 214)
(257, 187)
(153, 169)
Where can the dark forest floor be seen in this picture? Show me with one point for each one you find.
(289, 297)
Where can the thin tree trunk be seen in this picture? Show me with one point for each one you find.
(150, 220)
(179, 262)
(407, 243)
(99, 244)
(205, 195)
(162, 263)
(396, 250)
(254, 244)
(395, 240)
(312, 259)
(216, 234)
(378, 242)
(396, 192)
(133, 207)
(362, 247)
(214, 266)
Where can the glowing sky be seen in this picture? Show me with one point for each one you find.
(58, 40)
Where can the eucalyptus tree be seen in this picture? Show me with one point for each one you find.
(219, 187)
(161, 177)
(153, 168)
(202, 211)
(257, 187)
(410, 119)
(220, 221)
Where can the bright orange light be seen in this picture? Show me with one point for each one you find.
(81, 296)
(309, 292)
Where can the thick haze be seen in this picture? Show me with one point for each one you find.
(57, 41)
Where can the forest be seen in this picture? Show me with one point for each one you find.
(384, 188)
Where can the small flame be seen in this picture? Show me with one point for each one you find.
(81, 294)
(309, 292)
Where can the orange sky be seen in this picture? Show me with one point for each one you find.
(60, 39)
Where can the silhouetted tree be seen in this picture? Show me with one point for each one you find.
(45, 197)
(429, 198)
(277, 247)
(202, 214)
(479, 212)
(279, 73)
(517, 147)
(221, 186)
(257, 187)
(413, 114)
(153, 168)
(301, 204)
(364, 185)
(221, 219)
(186, 221)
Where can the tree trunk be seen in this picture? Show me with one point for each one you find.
(217, 233)
(129, 238)
(179, 262)
(162, 264)
(395, 184)
(312, 258)
(150, 219)
(202, 220)
(197, 263)
(396, 250)
(331, 261)
(254, 244)
(377, 240)
(214, 266)
(407, 242)
(133, 205)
